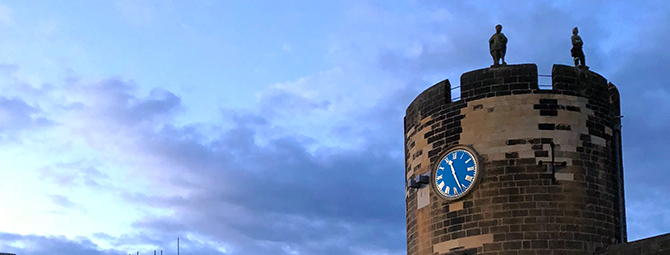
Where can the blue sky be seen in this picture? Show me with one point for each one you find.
(274, 127)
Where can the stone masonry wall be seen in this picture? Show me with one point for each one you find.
(519, 206)
(426, 121)
(658, 245)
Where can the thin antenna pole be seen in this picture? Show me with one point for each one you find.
(177, 246)
(161, 252)
(154, 252)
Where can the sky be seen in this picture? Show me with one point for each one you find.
(275, 127)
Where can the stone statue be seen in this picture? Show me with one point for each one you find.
(577, 53)
(498, 46)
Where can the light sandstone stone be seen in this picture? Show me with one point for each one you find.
(455, 206)
(423, 197)
(466, 242)
(526, 153)
(598, 140)
(444, 247)
(564, 176)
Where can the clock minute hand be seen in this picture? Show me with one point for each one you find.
(453, 172)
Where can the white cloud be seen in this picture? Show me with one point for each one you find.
(136, 12)
(6, 15)
(66, 203)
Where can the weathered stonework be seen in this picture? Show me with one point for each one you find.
(519, 206)
(657, 245)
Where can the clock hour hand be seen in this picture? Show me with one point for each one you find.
(453, 172)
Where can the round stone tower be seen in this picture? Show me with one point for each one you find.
(550, 177)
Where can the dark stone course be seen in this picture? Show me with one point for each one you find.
(515, 141)
(548, 113)
(573, 108)
(546, 126)
(512, 155)
(549, 101)
(541, 153)
(563, 127)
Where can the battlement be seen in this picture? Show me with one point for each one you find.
(517, 80)
(501, 81)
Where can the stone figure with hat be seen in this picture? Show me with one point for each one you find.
(498, 47)
(576, 51)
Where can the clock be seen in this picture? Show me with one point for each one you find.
(456, 173)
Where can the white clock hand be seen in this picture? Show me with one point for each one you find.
(453, 172)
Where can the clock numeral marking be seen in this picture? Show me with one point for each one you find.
(440, 185)
(455, 191)
(464, 187)
(468, 160)
(469, 178)
(439, 177)
(455, 154)
(461, 156)
(441, 168)
(446, 190)
(472, 168)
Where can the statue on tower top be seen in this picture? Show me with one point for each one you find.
(577, 52)
(498, 46)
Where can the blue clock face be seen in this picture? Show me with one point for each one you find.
(456, 173)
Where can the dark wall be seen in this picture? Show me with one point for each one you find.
(492, 82)
(658, 245)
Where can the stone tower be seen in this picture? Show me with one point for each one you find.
(550, 171)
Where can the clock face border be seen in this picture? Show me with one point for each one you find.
(479, 171)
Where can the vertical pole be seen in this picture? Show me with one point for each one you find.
(161, 252)
(553, 164)
(177, 245)
(623, 233)
(154, 252)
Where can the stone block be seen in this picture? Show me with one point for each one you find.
(598, 141)
(564, 176)
(423, 197)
